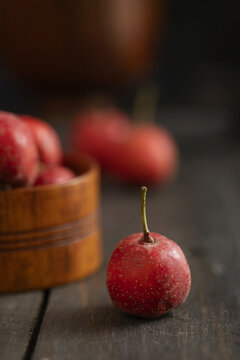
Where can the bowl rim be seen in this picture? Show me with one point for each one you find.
(92, 167)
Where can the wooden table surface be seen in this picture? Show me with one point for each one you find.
(201, 211)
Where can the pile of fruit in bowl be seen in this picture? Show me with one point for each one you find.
(30, 153)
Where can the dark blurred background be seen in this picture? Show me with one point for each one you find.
(180, 57)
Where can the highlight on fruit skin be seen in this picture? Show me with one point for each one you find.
(148, 274)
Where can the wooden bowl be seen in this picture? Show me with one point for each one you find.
(49, 235)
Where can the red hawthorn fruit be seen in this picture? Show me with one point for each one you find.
(148, 155)
(148, 274)
(98, 133)
(18, 152)
(47, 140)
(54, 175)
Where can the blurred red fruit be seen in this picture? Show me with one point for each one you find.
(98, 133)
(18, 152)
(149, 155)
(54, 175)
(47, 140)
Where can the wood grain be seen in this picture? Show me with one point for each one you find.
(201, 213)
(50, 235)
(19, 316)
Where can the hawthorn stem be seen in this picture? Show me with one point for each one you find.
(146, 233)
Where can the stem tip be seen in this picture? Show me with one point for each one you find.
(146, 233)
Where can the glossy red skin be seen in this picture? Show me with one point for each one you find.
(98, 133)
(148, 280)
(149, 156)
(18, 152)
(47, 140)
(54, 175)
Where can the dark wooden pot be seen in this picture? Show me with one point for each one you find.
(49, 235)
(63, 44)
